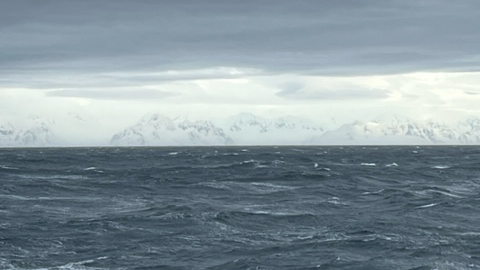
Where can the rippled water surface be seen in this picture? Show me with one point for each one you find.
(240, 208)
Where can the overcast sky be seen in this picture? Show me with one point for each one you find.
(117, 60)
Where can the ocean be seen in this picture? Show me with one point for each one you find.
(289, 207)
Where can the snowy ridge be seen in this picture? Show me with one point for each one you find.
(35, 132)
(249, 129)
(402, 130)
(159, 130)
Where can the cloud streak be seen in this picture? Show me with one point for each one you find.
(335, 94)
(141, 94)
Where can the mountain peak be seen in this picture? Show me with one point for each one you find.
(250, 129)
(33, 134)
(159, 130)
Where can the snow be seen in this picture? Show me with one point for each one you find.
(403, 131)
(160, 130)
(32, 132)
(249, 129)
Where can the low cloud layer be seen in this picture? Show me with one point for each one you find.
(321, 93)
(113, 94)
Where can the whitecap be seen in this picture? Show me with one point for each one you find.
(266, 188)
(441, 167)
(470, 234)
(446, 194)
(316, 166)
(215, 185)
(40, 177)
(255, 187)
(427, 205)
(72, 266)
(173, 153)
(392, 165)
(278, 163)
(90, 168)
(271, 187)
(462, 190)
(368, 164)
(244, 150)
(15, 197)
(7, 167)
(248, 161)
(336, 201)
(276, 213)
(230, 154)
(261, 166)
(305, 237)
(280, 187)
(373, 192)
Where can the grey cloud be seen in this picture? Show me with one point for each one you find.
(290, 88)
(471, 93)
(307, 37)
(335, 94)
(410, 96)
(111, 94)
(95, 81)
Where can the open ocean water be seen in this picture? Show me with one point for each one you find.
(240, 208)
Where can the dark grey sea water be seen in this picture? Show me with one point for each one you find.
(240, 208)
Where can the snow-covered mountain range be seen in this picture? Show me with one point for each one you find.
(242, 129)
(250, 129)
(403, 131)
(160, 130)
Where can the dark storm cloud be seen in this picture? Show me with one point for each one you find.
(304, 37)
